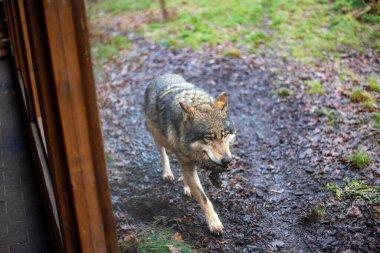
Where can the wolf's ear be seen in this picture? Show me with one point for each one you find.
(221, 101)
(187, 108)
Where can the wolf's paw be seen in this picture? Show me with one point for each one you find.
(215, 226)
(187, 191)
(168, 177)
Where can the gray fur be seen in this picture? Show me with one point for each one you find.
(186, 120)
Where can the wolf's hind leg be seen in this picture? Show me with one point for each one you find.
(167, 173)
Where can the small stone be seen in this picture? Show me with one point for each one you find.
(259, 193)
(309, 170)
(348, 251)
(277, 244)
(328, 242)
(354, 211)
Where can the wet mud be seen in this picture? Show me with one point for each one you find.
(271, 183)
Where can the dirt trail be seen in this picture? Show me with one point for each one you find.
(269, 186)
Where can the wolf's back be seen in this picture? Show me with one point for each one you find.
(162, 98)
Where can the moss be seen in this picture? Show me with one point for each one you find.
(284, 92)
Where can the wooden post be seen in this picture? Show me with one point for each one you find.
(59, 56)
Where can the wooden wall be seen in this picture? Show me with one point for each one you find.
(51, 52)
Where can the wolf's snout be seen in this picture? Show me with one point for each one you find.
(226, 160)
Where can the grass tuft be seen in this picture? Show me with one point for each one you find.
(161, 240)
(370, 104)
(373, 84)
(156, 239)
(284, 92)
(360, 159)
(359, 95)
(314, 214)
(324, 112)
(233, 53)
(377, 119)
(357, 189)
(315, 87)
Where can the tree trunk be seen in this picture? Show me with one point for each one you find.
(164, 11)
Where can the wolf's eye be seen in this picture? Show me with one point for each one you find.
(225, 134)
(208, 137)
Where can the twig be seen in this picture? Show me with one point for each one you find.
(358, 13)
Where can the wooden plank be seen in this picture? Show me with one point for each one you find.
(75, 125)
(51, 121)
(18, 51)
(95, 132)
(80, 125)
(30, 68)
(47, 190)
(58, 59)
(22, 90)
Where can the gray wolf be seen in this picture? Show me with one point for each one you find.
(188, 122)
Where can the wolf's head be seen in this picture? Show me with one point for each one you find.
(208, 130)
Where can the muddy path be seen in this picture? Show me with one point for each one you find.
(271, 184)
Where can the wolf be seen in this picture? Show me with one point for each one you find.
(187, 121)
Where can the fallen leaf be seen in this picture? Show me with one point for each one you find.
(173, 249)
(354, 211)
(177, 237)
(184, 220)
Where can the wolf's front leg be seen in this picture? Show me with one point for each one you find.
(167, 173)
(191, 178)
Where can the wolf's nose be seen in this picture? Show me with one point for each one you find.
(226, 160)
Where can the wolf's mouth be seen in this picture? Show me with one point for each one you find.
(209, 163)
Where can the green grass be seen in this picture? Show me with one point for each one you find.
(324, 112)
(315, 87)
(284, 92)
(205, 22)
(310, 28)
(360, 159)
(332, 116)
(160, 240)
(357, 189)
(377, 119)
(110, 48)
(303, 29)
(373, 84)
(359, 95)
(118, 6)
(349, 6)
